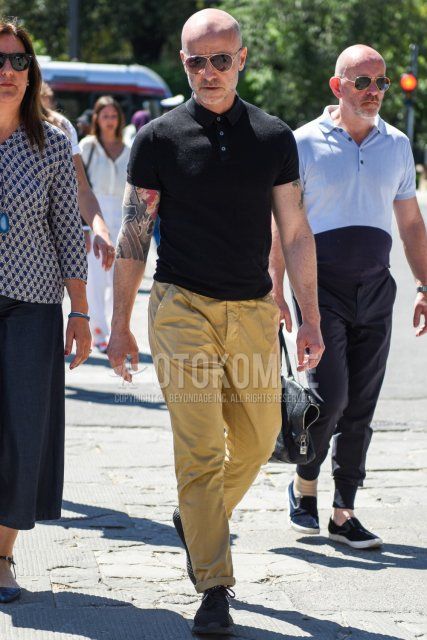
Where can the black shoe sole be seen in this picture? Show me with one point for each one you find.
(176, 518)
(356, 544)
(210, 630)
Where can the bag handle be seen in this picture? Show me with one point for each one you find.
(284, 348)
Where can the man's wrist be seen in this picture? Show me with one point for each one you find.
(312, 319)
(120, 326)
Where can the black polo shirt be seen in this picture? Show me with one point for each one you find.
(215, 174)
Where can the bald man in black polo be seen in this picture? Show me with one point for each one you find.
(212, 170)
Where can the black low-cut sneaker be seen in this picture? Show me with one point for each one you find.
(180, 531)
(353, 533)
(213, 616)
(303, 516)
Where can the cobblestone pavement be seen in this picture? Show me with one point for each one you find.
(113, 567)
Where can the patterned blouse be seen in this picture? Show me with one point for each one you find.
(38, 193)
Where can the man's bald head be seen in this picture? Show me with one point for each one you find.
(210, 24)
(355, 55)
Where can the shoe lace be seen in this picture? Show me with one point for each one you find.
(214, 594)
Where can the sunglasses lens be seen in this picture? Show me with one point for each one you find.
(362, 82)
(383, 83)
(222, 61)
(20, 61)
(195, 63)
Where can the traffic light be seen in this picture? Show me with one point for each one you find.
(408, 82)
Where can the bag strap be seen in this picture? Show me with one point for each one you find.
(284, 348)
(89, 160)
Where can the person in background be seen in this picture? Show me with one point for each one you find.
(41, 250)
(105, 157)
(88, 204)
(138, 120)
(84, 123)
(355, 169)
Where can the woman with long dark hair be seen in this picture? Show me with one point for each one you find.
(41, 250)
(106, 157)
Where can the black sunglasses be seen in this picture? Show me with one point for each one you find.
(363, 82)
(19, 61)
(220, 61)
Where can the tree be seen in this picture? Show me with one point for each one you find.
(293, 45)
(111, 30)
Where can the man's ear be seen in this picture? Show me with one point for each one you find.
(335, 85)
(242, 59)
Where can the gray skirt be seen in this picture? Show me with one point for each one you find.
(32, 416)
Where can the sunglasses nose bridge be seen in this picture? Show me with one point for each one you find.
(209, 68)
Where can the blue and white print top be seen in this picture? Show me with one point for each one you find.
(38, 193)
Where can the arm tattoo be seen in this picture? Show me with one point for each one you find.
(297, 185)
(140, 208)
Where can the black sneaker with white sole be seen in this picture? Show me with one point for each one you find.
(213, 616)
(180, 531)
(354, 534)
(303, 516)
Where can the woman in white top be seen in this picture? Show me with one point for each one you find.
(105, 157)
(88, 204)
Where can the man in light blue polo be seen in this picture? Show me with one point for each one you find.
(355, 169)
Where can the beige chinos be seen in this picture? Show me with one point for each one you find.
(218, 364)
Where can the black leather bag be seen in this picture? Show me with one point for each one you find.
(300, 409)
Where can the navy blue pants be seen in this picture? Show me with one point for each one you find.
(32, 421)
(356, 326)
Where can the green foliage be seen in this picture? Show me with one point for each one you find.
(110, 30)
(293, 45)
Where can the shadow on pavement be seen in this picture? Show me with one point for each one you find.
(317, 628)
(94, 617)
(400, 556)
(116, 396)
(100, 618)
(117, 525)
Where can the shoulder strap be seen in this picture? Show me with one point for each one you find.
(87, 164)
(284, 348)
(89, 160)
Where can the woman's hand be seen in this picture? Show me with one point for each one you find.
(78, 331)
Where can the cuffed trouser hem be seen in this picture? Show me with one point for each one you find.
(344, 495)
(215, 582)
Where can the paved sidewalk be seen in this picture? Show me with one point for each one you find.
(113, 567)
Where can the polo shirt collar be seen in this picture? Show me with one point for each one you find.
(327, 125)
(206, 118)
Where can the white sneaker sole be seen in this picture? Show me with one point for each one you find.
(307, 530)
(359, 544)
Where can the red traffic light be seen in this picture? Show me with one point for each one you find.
(408, 82)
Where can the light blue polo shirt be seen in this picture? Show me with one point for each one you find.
(349, 192)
